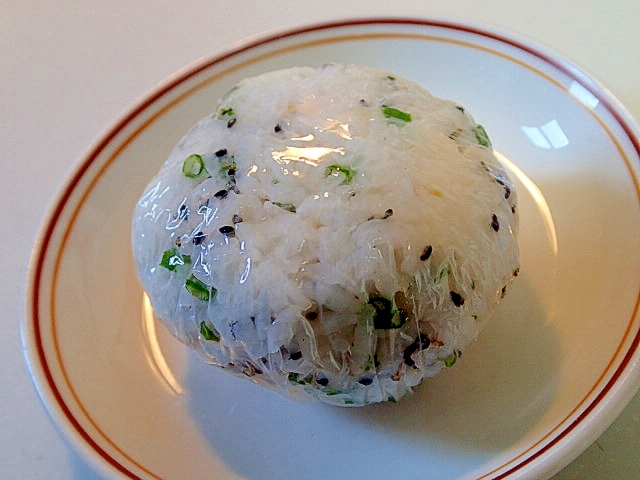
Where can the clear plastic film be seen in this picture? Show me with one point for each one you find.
(335, 233)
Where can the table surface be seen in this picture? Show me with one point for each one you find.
(70, 68)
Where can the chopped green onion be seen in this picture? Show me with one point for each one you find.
(384, 316)
(193, 167)
(300, 380)
(289, 207)
(481, 136)
(444, 270)
(394, 113)
(171, 259)
(331, 391)
(198, 289)
(227, 164)
(230, 114)
(336, 170)
(209, 332)
(450, 360)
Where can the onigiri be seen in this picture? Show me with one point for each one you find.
(333, 233)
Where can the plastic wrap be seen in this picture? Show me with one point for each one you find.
(335, 233)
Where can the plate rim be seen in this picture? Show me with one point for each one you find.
(549, 460)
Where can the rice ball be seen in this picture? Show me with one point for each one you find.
(335, 233)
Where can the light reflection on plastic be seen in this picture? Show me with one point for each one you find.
(153, 352)
(151, 195)
(247, 269)
(338, 128)
(583, 95)
(549, 135)
(306, 138)
(538, 198)
(308, 155)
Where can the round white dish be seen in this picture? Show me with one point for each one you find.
(552, 371)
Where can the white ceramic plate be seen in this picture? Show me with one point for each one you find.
(545, 378)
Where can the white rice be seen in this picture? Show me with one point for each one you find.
(345, 238)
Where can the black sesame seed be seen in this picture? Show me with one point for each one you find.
(221, 153)
(227, 231)
(456, 298)
(460, 108)
(237, 218)
(420, 343)
(312, 315)
(231, 172)
(277, 128)
(513, 209)
(365, 381)
(295, 355)
(387, 214)
(231, 122)
(406, 355)
(495, 224)
(503, 292)
(221, 194)
(312, 312)
(516, 272)
(426, 253)
(323, 381)
(507, 192)
(198, 238)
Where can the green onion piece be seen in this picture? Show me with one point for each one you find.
(297, 378)
(331, 391)
(450, 360)
(444, 270)
(289, 207)
(198, 289)
(229, 114)
(227, 164)
(335, 170)
(385, 317)
(482, 136)
(193, 166)
(209, 332)
(171, 259)
(394, 113)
